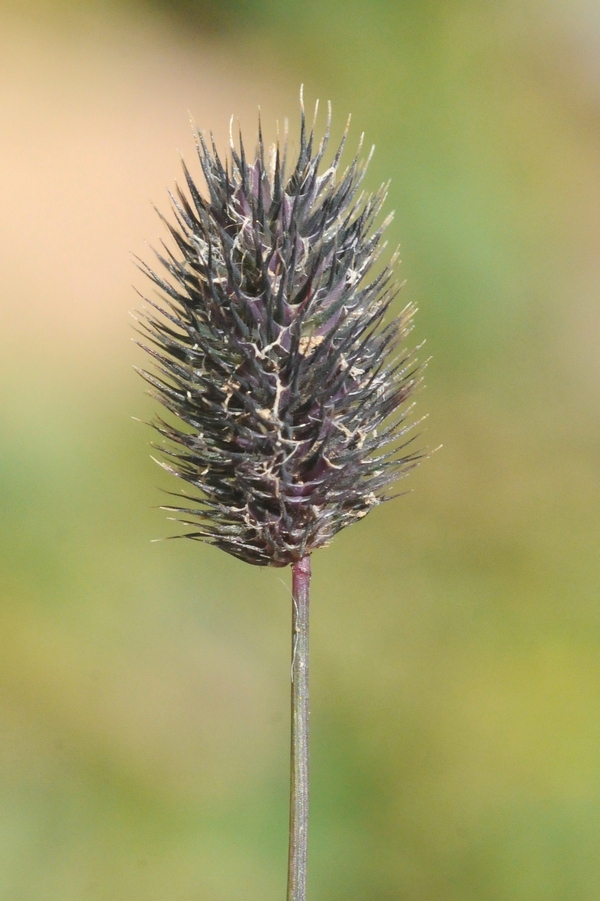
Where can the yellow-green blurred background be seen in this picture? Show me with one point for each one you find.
(456, 632)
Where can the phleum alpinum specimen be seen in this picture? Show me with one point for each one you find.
(286, 378)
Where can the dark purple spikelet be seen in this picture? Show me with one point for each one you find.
(273, 354)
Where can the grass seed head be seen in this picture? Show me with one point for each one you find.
(273, 352)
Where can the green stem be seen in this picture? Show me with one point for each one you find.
(296, 889)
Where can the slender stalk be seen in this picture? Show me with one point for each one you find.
(296, 889)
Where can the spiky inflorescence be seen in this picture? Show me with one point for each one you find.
(272, 350)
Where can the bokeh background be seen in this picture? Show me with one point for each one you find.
(456, 665)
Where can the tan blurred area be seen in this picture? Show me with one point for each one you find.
(94, 110)
(456, 632)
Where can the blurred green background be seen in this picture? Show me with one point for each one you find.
(456, 632)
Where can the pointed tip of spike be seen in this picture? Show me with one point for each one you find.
(316, 113)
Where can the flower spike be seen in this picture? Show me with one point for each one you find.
(271, 350)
